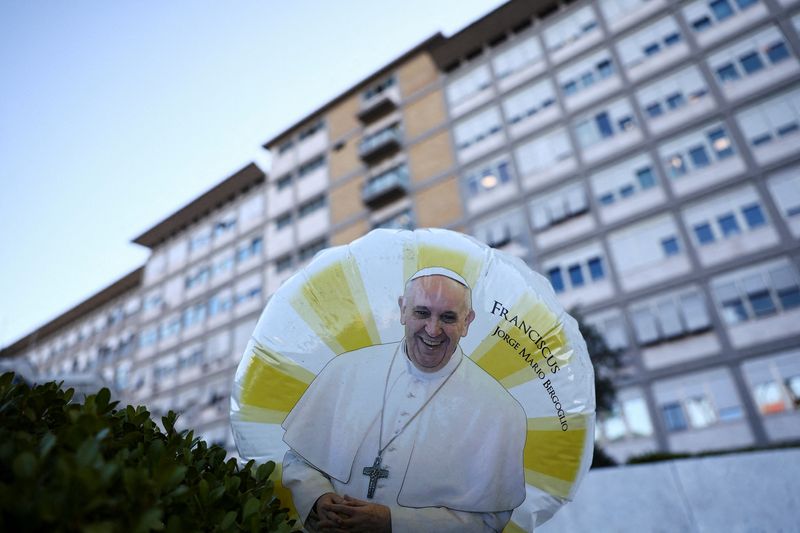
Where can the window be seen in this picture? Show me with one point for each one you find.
(785, 189)
(670, 246)
(312, 205)
(728, 225)
(251, 249)
(308, 251)
(488, 177)
(283, 221)
(699, 156)
(751, 62)
(590, 266)
(704, 14)
(720, 143)
(726, 216)
(673, 417)
(219, 303)
(199, 241)
(704, 233)
(224, 226)
(283, 182)
(222, 264)
(562, 205)
(627, 419)
(575, 276)
(542, 152)
(556, 279)
(387, 180)
(152, 301)
(380, 138)
(586, 73)
(378, 88)
(194, 315)
(777, 52)
(600, 125)
(311, 166)
(198, 277)
(283, 264)
(701, 413)
(645, 177)
(570, 28)
(148, 337)
(402, 220)
(615, 9)
(469, 84)
(669, 316)
(654, 110)
(285, 146)
(624, 181)
(529, 101)
(750, 56)
(170, 328)
(649, 42)
(517, 57)
(696, 151)
(757, 292)
(721, 9)
(477, 128)
(596, 268)
(245, 295)
(311, 130)
(773, 120)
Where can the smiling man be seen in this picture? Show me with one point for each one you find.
(408, 436)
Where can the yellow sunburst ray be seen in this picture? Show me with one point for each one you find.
(334, 304)
(273, 383)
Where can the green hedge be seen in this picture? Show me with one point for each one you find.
(94, 468)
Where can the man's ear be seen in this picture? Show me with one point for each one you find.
(402, 304)
(468, 321)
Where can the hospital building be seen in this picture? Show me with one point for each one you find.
(644, 155)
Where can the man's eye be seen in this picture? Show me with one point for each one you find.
(449, 318)
(421, 314)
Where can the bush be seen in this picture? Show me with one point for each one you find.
(94, 468)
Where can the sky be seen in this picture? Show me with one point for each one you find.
(115, 114)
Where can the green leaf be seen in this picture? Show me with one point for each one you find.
(24, 465)
(98, 527)
(102, 399)
(46, 444)
(264, 471)
(150, 520)
(202, 490)
(228, 520)
(216, 493)
(250, 508)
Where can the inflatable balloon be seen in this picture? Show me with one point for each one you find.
(346, 299)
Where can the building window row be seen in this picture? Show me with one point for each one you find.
(758, 293)
(198, 277)
(577, 274)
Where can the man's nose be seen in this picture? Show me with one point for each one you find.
(432, 327)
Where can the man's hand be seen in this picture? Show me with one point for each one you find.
(357, 516)
(321, 512)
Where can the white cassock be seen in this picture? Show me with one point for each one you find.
(457, 466)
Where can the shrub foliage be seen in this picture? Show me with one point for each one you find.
(96, 468)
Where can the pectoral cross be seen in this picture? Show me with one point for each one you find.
(375, 472)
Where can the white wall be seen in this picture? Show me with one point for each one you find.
(755, 491)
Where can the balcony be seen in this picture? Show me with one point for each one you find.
(379, 105)
(386, 187)
(380, 144)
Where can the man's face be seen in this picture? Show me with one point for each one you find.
(436, 314)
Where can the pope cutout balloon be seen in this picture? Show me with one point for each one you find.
(419, 378)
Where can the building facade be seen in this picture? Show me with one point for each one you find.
(644, 155)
